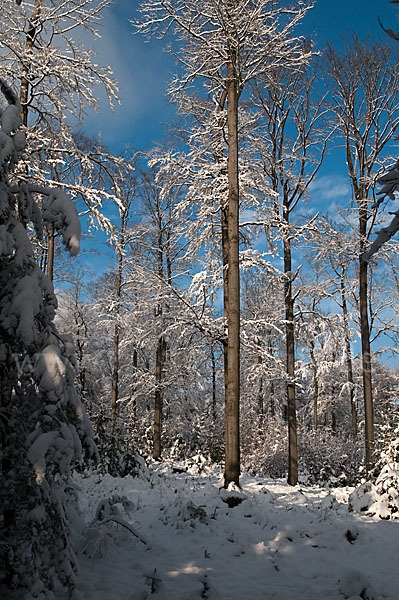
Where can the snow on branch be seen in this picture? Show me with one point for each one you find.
(390, 183)
(8, 93)
(384, 235)
(60, 211)
(390, 32)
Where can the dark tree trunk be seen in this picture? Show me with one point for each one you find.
(366, 362)
(134, 390)
(158, 405)
(348, 351)
(115, 371)
(271, 386)
(115, 379)
(290, 359)
(315, 386)
(213, 401)
(30, 37)
(50, 251)
(232, 392)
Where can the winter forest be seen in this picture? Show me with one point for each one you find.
(199, 342)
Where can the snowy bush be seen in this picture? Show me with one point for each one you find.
(264, 447)
(118, 454)
(324, 457)
(382, 497)
(44, 426)
(328, 458)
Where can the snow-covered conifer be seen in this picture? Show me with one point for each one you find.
(43, 422)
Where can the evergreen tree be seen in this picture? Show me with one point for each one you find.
(43, 423)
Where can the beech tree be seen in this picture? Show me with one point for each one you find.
(126, 189)
(227, 44)
(365, 92)
(331, 252)
(158, 211)
(292, 144)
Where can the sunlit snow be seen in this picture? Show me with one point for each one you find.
(280, 542)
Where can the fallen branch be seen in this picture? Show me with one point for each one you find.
(120, 521)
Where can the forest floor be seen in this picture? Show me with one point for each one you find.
(168, 535)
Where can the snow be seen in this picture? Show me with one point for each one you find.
(6, 149)
(355, 585)
(10, 119)
(172, 535)
(61, 211)
(37, 454)
(50, 369)
(24, 308)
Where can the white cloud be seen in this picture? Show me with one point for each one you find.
(142, 71)
(330, 187)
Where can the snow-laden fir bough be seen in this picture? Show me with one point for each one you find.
(43, 423)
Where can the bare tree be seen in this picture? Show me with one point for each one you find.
(126, 190)
(292, 147)
(227, 44)
(55, 76)
(365, 93)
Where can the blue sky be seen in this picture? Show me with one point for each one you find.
(143, 69)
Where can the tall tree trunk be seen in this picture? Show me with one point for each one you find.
(334, 394)
(115, 370)
(232, 390)
(271, 385)
(225, 260)
(348, 352)
(134, 390)
(213, 401)
(366, 363)
(160, 357)
(157, 430)
(51, 244)
(272, 401)
(115, 378)
(30, 37)
(315, 386)
(334, 421)
(365, 332)
(50, 251)
(290, 358)
(261, 404)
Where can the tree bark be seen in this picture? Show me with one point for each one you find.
(213, 401)
(261, 404)
(271, 386)
(290, 357)
(315, 386)
(50, 251)
(158, 405)
(115, 371)
(30, 37)
(134, 390)
(160, 356)
(348, 352)
(232, 389)
(366, 363)
(115, 379)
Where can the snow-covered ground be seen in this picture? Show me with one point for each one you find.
(171, 536)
